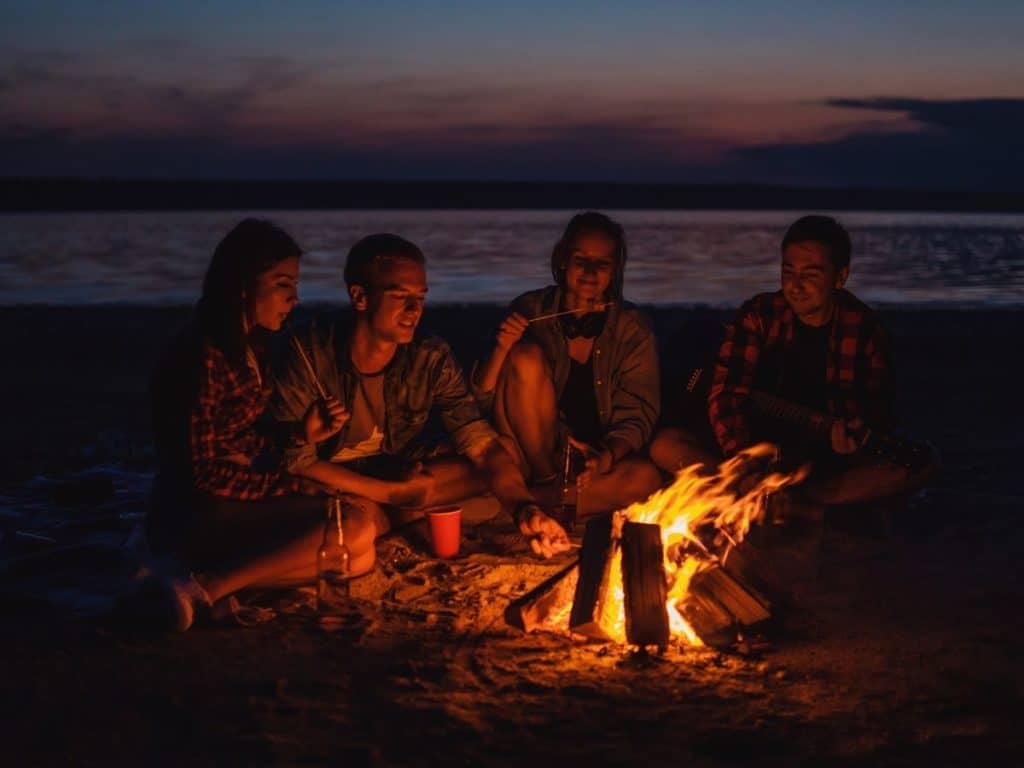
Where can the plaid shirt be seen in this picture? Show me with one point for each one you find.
(857, 370)
(225, 444)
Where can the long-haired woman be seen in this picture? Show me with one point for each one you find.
(223, 508)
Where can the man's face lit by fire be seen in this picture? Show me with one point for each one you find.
(392, 304)
(274, 295)
(810, 281)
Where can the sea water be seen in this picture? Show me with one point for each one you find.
(716, 258)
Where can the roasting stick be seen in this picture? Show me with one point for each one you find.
(550, 315)
(309, 366)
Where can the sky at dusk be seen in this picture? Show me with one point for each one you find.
(919, 94)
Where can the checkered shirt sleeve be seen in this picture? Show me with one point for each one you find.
(734, 377)
(223, 436)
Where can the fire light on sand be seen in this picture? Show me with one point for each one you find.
(702, 517)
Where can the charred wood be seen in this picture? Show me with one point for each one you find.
(643, 582)
(536, 607)
(595, 560)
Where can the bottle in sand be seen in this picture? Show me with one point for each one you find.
(567, 509)
(332, 563)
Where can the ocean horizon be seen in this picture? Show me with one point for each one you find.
(676, 257)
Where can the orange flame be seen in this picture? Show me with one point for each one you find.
(728, 501)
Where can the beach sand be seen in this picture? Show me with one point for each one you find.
(901, 649)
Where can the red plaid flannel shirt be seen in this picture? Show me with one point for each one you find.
(857, 372)
(223, 435)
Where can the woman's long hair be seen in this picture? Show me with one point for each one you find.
(247, 251)
(585, 223)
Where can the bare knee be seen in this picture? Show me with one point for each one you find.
(526, 362)
(673, 448)
(666, 448)
(641, 477)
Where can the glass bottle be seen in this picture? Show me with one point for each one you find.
(332, 562)
(567, 508)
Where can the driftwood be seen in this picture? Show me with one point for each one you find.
(595, 559)
(535, 607)
(643, 583)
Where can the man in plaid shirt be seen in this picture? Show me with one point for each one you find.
(814, 344)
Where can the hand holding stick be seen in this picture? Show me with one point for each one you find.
(309, 366)
(550, 315)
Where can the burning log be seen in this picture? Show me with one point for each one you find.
(595, 564)
(542, 604)
(643, 582)
(717, 606)
(670, 565)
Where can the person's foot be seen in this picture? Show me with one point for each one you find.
(172, 603)
(186, 598)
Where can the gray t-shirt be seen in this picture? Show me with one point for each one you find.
(365, 432)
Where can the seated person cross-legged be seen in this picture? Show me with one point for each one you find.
(588, 376)
(375, 383)
(807, 368)
(224, 512)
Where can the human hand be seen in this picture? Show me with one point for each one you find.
(597, 462)
(846, 436)
(546, 536)
(415, 490)
(510, 331)
(323, 419)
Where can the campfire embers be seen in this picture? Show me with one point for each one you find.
(661, 567)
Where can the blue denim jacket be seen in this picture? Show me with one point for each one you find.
(627, 378)
(423, 374)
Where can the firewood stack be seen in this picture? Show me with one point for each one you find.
(721, 601)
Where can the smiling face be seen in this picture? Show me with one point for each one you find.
(274, 295)
(589, 267)
(810, 281)
(393, 304)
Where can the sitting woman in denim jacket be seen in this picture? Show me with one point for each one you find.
(223, 508)
(573, 378)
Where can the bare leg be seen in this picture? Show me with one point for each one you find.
(866, 482)
(525, 409)
(673, 448)
(457, 479)
(294, 560)
(632, 479)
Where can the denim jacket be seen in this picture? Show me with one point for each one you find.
(422, 374)
(627, 379)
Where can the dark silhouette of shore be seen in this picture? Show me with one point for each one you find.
(39, 194)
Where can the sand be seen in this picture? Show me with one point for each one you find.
(900, 649)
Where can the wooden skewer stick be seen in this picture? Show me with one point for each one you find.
(309, 367)
(567, 312)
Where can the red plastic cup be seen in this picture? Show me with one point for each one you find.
(445, 530)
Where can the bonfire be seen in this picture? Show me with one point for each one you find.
(700, 518)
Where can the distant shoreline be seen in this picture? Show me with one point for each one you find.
(24, 195)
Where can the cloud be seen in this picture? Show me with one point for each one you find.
(211, 115)
(572, 151)
(963, 144)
